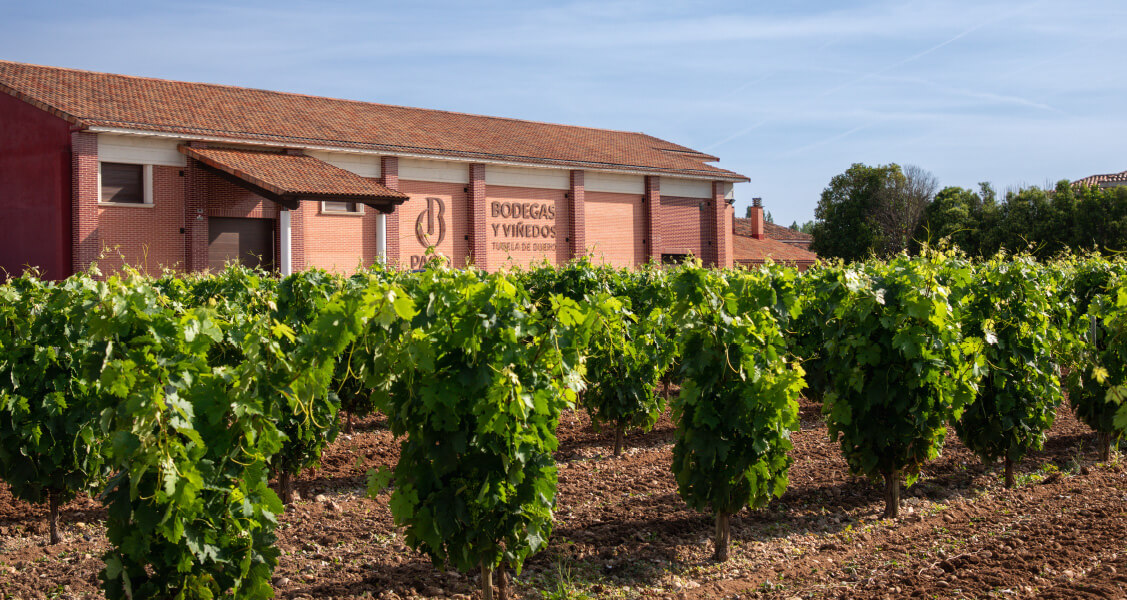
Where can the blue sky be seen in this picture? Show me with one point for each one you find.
(787, 93)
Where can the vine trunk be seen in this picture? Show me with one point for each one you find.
(892, 494)
(486, 582)
(723, 535)
(53, 505)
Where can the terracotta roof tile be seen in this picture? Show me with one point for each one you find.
(243, 114)
(778, 232)
(742, 226)
(1112, 179)
(748, 250)
(293, 175)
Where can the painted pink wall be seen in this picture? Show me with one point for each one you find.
(35, 215)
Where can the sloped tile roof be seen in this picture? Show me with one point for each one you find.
(742, 226)
(748, 250)
(209, 111)
(293, 175)
(778, 232)
(1103, 180)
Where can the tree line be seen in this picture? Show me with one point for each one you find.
(881, 210)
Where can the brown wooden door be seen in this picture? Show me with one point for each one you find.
(248, 241)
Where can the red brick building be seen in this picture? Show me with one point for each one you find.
(157, 173)
(755, 241)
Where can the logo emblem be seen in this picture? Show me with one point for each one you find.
(436, 210)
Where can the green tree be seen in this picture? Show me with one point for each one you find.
(1101, 218)
(844, 224)
(806, 227)
(956, 215)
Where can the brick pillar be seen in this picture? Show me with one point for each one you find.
(652, 202)
(195, 216)
(576, 209)
(478, 213)
(297, 236)
(85, 240)
(721, 226)
(389, 176)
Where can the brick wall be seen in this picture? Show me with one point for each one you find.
(146, 237)
(577, 208)
(526, 250)
(721, 221)
(195, 216)
(389, 170)
(84, 199)
(225, 199)
(299, 244)
(685, 226)
(457, 241)
(611, 226)
(729, 237)
(655, 244)
(479, 217)
(35, 192)
(339, 242)
(616, 226)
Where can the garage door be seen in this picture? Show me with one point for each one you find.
(248, 241)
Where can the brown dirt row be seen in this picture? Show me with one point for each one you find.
(622, 530)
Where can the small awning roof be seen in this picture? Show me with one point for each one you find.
(288, 178)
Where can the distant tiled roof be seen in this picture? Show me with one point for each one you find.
(1109, 179)
(292, 175)
(748, 250)
(778, 232)
(742, 226)
(206, 111)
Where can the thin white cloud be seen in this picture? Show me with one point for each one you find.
(829, 140)
(852, 82)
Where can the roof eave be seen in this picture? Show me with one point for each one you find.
(69, 118)
(426, 153)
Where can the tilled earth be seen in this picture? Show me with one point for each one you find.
(623, 532)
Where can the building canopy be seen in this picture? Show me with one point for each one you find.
(288, 178)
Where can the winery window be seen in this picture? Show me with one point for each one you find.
(335, 206)
(125, 184)
(674, 259)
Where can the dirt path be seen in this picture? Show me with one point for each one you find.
(622, 531)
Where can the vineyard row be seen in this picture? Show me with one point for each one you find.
(177, 399)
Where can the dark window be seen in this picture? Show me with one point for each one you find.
(673, 259)
(123, 184)
(341, 207)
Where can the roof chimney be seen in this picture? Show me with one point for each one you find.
(755, 213)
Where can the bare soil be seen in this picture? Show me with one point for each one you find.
(623, 532)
